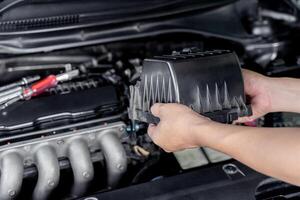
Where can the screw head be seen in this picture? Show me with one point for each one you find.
(230, 169)
(51, 183)
(120, 167)
(60, 142)
(86, 174)
(12, 193)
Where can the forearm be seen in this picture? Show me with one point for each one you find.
(275, 152)
(285, 94)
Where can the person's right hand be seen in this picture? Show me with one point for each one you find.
(179, 127)
(259, 89)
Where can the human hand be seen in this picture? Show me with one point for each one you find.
(177, 127)
(259, 89)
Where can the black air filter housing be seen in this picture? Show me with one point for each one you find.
(211, 83)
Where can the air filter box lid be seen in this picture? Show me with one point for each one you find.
(211, 83)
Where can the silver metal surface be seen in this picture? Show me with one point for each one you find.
(11, 175)
(115, 157)
(48, 172)
(82, 166)
(67, 67)
(45, 151)
(6, 98)
(22, 82)
(10, 91)
(67, 75)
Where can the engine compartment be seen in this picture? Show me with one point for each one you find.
(79, 131)
(76, 139)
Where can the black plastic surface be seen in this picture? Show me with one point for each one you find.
(220, 19)
(271, 188)
(57, 109)
(210, 83)
(202, 184)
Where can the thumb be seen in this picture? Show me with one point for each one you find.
(156, 109)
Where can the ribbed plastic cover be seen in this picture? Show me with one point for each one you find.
(36, 23)
(211, 83)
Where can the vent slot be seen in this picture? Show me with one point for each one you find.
(37, 23)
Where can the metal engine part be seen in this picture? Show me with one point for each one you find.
(210, 83)
(44, 153)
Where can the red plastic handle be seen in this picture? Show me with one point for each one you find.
(42, 85)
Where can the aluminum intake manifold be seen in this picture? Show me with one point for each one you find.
(75, 145)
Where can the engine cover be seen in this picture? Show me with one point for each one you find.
(211, 83)
(55, 110)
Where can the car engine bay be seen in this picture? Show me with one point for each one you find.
(74, 138)
(76, 126)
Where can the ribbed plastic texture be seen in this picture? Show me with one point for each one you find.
(35, 23)
(210, 83)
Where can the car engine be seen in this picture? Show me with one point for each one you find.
(65, 128)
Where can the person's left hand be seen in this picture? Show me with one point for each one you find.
(178, 127)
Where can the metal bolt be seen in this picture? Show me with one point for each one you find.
(122, 129)
(60, 142)
(120, 167)
(12, 193)
(51, 183)
(86, 174)
(230, 169)
(4, 113)
(127, 72)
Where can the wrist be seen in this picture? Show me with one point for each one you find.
(284, 94)
(208, 134)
